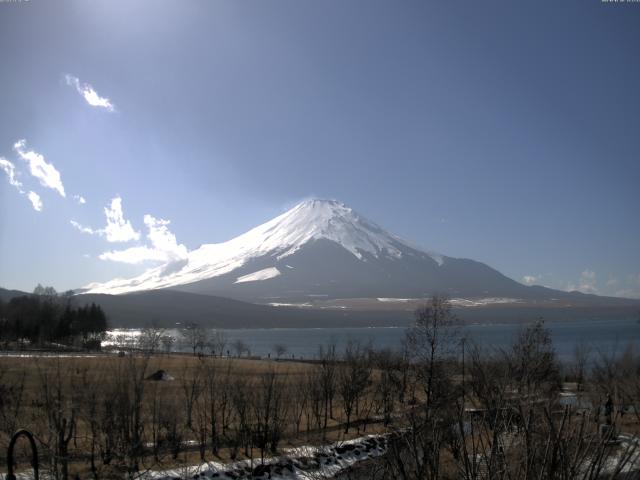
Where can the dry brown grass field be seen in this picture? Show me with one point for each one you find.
(80, 401)
(106, 416)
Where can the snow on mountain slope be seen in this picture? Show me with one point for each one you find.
(264, 274)
(281, 237)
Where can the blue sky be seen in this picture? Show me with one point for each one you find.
(507, 132)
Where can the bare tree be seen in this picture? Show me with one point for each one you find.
(195, 337)
(533, 362)
(214, 399)
(353, 379)
(279, 350)
(218, 343)
(191, 382)
(150, 339)
(170, 424)
(124, 419)
(432, 340)
(317, 399)
(122, 341)
(327, 378)
(299, 401)
(12, 389)
(167, 342)
(415, 451)
(155, 407)
(224, 397)
(91, 392)
(269, 411)
(241, 398)
(240, 347)
(60, 409)
(202, 410)
(581, 356)
(389, 383)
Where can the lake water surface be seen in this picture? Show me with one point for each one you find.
(605, 336)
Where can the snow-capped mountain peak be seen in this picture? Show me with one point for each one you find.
(318, 252)
(323, 219)
(279, 238)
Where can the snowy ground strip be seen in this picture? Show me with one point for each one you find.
(480, 302)
(458, 302)
(627, 459)
(303, 463)
(47, 354)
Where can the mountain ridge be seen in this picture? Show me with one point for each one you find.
(324, 249)
(169, 308)
(281, 237)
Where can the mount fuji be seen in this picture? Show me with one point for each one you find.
(320, 251)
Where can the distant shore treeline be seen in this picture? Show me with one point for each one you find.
(47, 317)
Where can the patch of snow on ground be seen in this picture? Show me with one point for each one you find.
(301, 305)
(48, 354)
(296, 463)
(457, 302)
(260, 275)
(479, 302)
(627, 459)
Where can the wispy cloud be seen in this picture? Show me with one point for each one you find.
(530, 279)
(627, 286)
(34, 198)
(586, 284)
(631, 287)
(80, 199)
(163, 239)
(10, 169)
(84, 229)
(45, 172)
(164, 246)
(133, 255)
(89, 94)
(117, 229)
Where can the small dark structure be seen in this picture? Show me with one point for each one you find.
(160, 376)
(34, 454)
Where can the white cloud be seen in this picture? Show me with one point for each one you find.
(634, 278)
(629, 293)
(586, 284)
(45, 172)
(83, 229)
(80, 199)
(164, 246)
(163, 239)
(10, 169)
(89, 94)
(530, 279)
(133, 255)
(34, 198)
(117, 229)
(632, 287)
